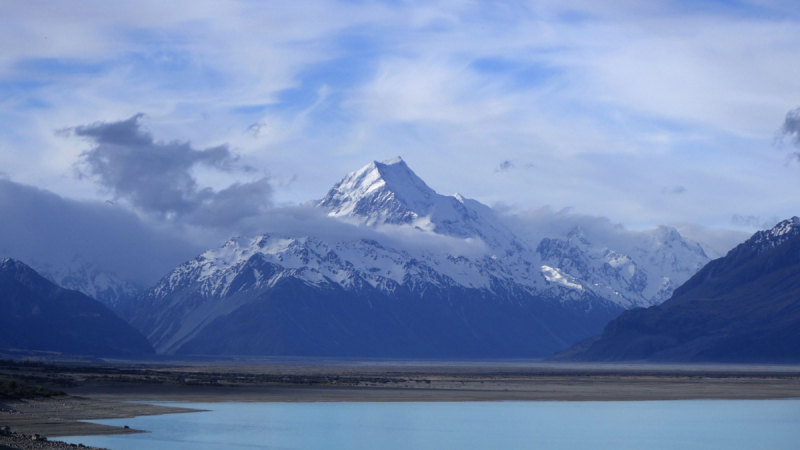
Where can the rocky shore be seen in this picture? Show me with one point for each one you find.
(11, 440)
(36, 423)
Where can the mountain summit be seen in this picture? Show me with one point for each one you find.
(383, 193)
(390, 193)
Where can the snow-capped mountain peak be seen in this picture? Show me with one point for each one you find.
(382, 193)
(390, 193)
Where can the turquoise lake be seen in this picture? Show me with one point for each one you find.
(652, 425)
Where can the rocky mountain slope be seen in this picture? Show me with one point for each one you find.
(39, 315)
(744, 307)
(448, 279)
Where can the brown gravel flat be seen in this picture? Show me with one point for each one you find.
(589, 388)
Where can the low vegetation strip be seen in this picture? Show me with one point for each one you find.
(12, 389)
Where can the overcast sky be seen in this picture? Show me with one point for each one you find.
(642, 112)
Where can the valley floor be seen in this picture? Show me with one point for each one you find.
(102, 391)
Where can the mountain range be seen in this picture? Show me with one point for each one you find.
(85, 276)
(394, 269)
(744, 307)
(434, 276)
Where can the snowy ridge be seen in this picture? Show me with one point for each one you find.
(79, 275)
(351, 265)
(647, 273)
(389, 194)
(780, 233)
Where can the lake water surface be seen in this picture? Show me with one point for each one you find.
(652, 425)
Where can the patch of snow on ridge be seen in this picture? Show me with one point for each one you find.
(786, 227)
(555, 276)
(767, 239)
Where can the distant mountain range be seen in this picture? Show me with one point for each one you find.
(39, 315)
(85, 276)
(744, 307)
(449, 280)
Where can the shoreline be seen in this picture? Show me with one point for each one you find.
(127, 390)
(67, 416)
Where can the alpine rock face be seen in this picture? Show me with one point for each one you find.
(483, 292)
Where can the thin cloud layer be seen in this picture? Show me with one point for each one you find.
(754, 222)
(536, 224)
(40, 226)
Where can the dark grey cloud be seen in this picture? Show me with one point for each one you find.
(229, 206)
(505, 166)
(254, 130)
(674, 190)
(156, 177)
(791, 130)
(38, 225)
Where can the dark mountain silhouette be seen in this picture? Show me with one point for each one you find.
(38, 315)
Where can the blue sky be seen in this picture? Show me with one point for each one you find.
(642, 112)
